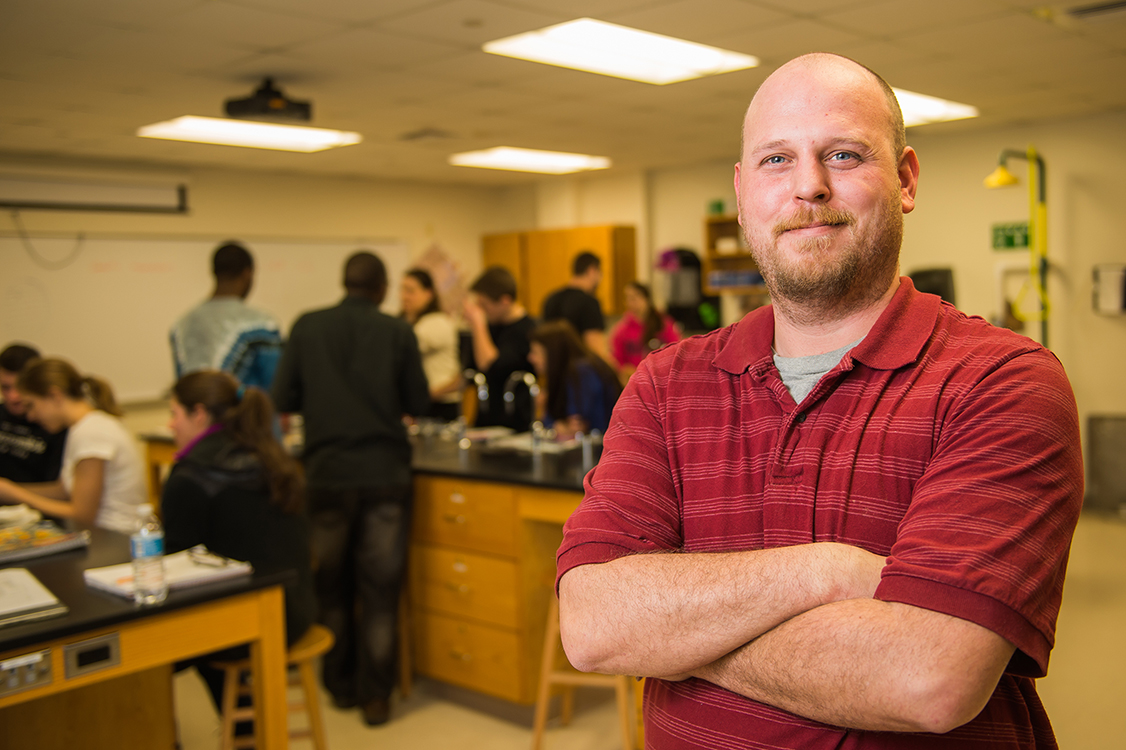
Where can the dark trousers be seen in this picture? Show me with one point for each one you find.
(360, 538)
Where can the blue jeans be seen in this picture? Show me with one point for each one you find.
(360, 538)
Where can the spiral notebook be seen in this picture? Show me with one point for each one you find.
(191, 567)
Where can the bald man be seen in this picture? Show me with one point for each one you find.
(843, 521)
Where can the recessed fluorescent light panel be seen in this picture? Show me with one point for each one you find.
(621, 52)
(249, 134)
(920, 109)
(529, 160)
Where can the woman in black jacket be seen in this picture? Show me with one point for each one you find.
(234, 489)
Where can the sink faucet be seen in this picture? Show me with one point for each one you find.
(479, 381)
(520, 376)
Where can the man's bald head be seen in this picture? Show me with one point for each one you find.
(843, 69)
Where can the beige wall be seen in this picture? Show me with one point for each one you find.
(249, 205)
(1085, 164)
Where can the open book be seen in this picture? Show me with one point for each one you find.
(23, 598)
(191, 567)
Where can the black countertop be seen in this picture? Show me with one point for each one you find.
(561, 471)
(91, 609)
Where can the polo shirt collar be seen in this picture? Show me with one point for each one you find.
(895, 340)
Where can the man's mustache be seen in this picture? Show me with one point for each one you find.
(809, 217)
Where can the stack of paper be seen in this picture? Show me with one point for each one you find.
(24, 598)
(192, 567)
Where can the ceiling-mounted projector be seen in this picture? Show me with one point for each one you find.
(268, 103)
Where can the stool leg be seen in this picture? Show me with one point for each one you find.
(567, 705)
(406, 668)
(312, 705)
(230, 702)
(623, 690)
(547, 666)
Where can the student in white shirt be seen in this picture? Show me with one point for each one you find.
(102, 480)
(437, 342)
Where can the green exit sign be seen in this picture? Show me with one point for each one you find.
(1010, 236)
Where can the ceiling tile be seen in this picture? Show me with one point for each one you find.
(585, 8)
(700, 20)
(350, 11)
(778, 44)
(360, 50)
(243, 27)
(890, 18)
(470, 23)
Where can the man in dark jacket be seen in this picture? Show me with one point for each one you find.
(353, 372)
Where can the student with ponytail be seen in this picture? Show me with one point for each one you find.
(102, 480)
(234, 489)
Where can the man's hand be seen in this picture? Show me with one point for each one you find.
(473, 312)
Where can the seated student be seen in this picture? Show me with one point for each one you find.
(101, 482)
(581, 388)
(234, 489)
(642, 329)
(28, 453)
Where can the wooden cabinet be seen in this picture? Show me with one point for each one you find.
(541, 261)
(727, 264)
(481, 574)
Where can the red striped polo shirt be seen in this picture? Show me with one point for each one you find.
(941, 442)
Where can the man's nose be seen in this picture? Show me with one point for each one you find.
(811, 181)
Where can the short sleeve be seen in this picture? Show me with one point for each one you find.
(987, 533)
(93, 438)
(631, 502)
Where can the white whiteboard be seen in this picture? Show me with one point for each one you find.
(110, 309)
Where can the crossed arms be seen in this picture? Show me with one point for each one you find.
(794, 627)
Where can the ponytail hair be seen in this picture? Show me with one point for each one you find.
(247, 414)
(39, 377)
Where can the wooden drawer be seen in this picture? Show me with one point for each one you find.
(478, 657)
(465, 584)
(463, 513)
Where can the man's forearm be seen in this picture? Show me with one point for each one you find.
(872, 665)
(666, 614)
(484, 350)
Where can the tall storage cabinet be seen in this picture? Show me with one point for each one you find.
(541, 261)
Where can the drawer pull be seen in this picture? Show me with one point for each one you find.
(457, 497)
(459, 588)
(461, 656)
(454, 518)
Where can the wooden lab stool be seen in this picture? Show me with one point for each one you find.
(569, 678)
(316, 641)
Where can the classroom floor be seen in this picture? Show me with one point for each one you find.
(1085, 691)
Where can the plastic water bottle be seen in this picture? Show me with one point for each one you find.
(147, 543)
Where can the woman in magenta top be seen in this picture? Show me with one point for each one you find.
(642, 329)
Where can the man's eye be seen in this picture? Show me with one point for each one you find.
(842, 156)
(774, 160)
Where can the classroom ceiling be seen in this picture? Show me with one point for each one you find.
(78, 77)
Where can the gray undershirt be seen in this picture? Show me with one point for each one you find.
(801, 374)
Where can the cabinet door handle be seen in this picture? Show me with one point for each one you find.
(457, 497)
(459, 588)
(454, 518)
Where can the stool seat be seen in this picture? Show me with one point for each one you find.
(316, 641)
